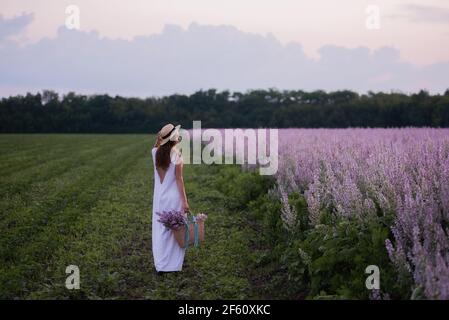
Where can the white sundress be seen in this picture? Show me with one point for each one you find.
(167, 254)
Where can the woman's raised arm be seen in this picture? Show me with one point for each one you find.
(158, 141)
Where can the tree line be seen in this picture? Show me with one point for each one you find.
(49, 112)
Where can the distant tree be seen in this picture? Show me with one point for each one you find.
(49, 112)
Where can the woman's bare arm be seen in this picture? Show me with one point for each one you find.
(181, 188)
(158, 141)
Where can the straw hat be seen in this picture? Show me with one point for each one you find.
(169, 133)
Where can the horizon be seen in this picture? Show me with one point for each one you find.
(231, 93)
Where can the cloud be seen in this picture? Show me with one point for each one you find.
(424, 13)
(14, 26)
(200, 57)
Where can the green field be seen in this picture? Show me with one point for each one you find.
(86, 200)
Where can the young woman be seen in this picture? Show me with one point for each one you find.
(169, 194)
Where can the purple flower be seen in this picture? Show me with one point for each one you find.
(173, 220)
(359, 173)
(365, 172)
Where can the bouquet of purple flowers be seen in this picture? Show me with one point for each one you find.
(187, 231)
(173, 220)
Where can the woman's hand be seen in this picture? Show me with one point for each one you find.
(185, 207)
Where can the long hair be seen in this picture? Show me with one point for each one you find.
(163, 155)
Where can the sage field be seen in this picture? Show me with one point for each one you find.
(342, 200)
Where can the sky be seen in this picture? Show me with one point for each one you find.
(158, 47)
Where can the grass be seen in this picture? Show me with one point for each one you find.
(86, 200)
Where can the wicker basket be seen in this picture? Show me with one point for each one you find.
(191, 234)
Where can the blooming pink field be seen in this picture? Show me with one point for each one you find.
(362, 173)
